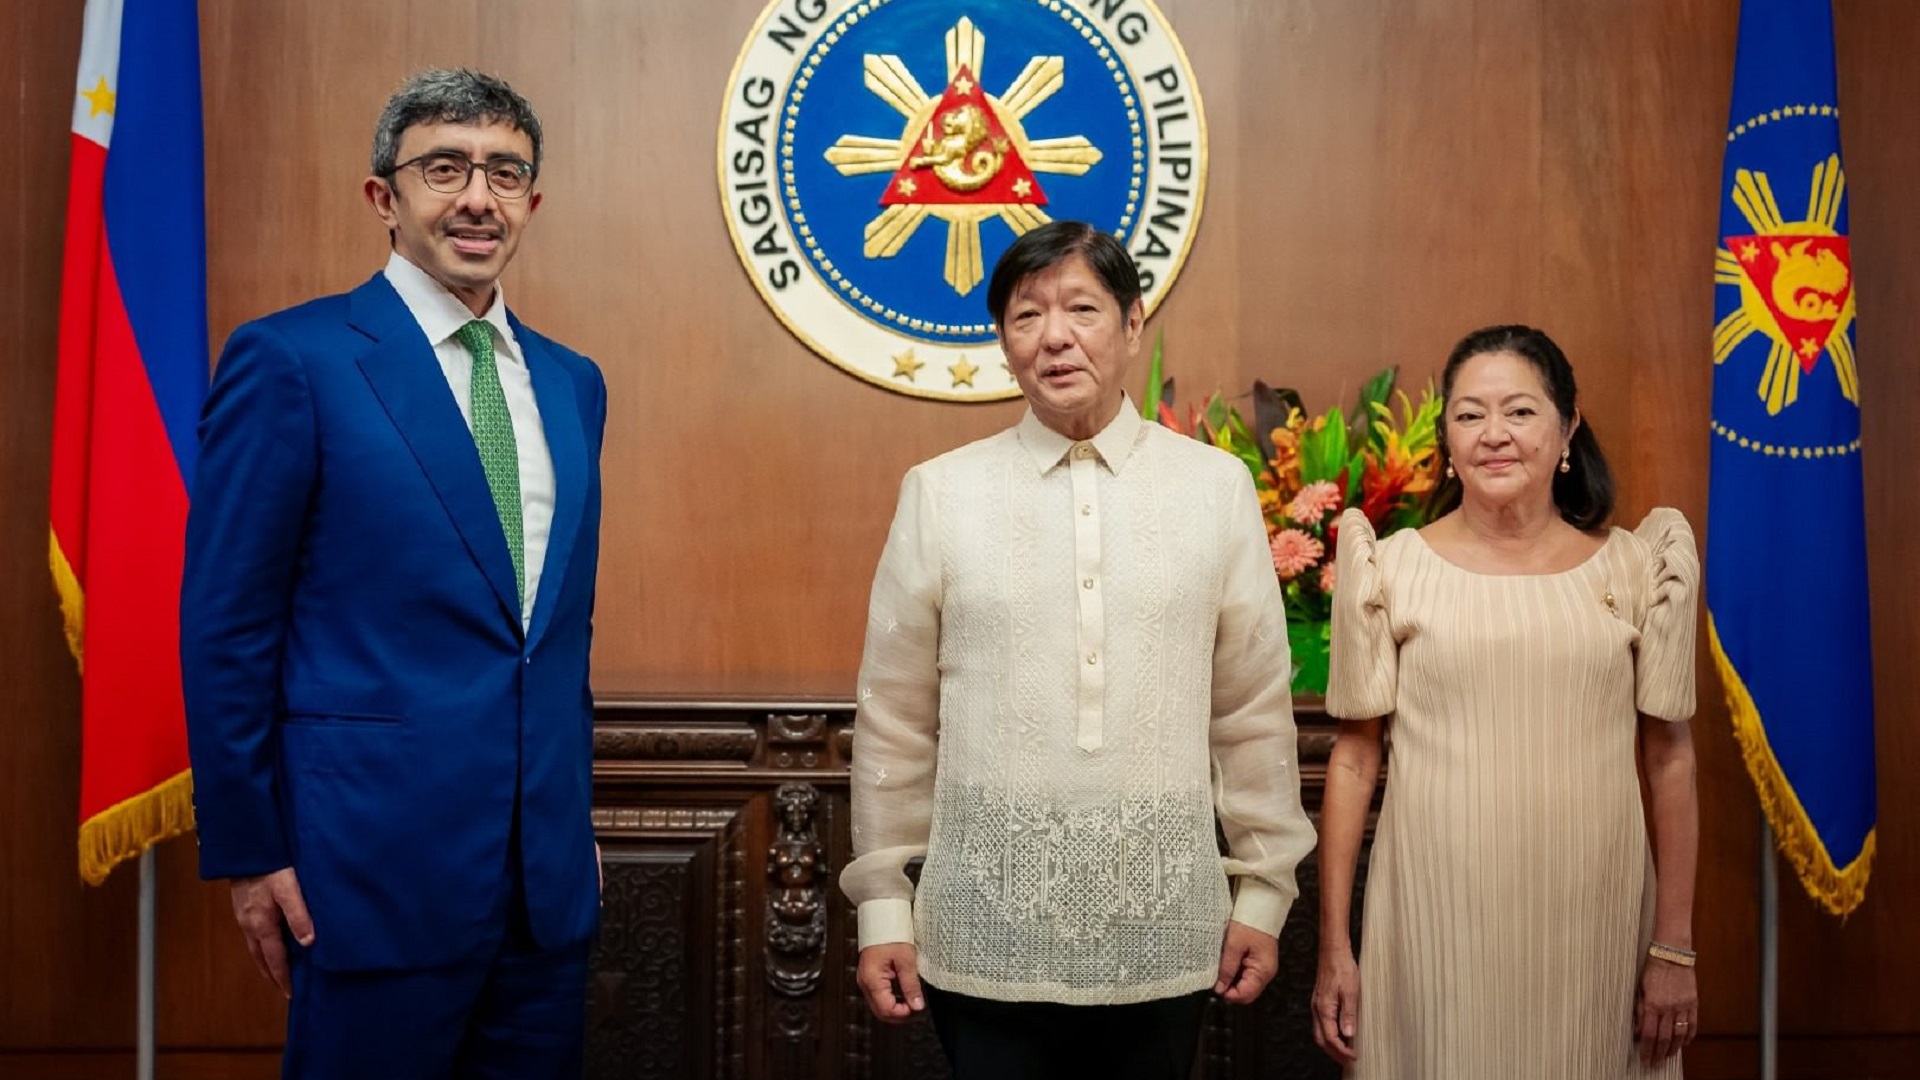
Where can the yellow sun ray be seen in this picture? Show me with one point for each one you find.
(1829, 183)
(1044, 75)
(855, 155)
(1073, 155)
(1754, 196)
(892, 83)
(1844, 368)
(965, 265)
(1780, 383)
(1733, 330)
(1023, 219)
(1726, 268)
(889, 232)
(966, 47)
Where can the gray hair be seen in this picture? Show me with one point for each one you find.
(450, 96)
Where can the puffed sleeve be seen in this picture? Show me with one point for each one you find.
(1664, 662)
(1364, 665)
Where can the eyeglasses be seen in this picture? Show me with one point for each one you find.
(507, 177)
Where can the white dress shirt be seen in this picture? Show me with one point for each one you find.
(1076, 663)
(440, 315)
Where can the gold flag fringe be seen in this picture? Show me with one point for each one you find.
(124, 830)
(127, 828)
(73, 602)
(1838, 889)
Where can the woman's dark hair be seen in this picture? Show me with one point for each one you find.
(1584, 494)
(1055, 242)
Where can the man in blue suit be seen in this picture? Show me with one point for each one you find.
(385, 620)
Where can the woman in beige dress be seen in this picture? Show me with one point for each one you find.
(1526, 915)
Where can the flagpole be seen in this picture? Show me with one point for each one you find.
(143, 1066)
(1769, 955)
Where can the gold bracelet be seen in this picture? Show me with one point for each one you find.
(1672, 954)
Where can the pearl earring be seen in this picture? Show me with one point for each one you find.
(1449, 470)
(1565, 465)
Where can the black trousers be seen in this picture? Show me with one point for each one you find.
(1018, 1040)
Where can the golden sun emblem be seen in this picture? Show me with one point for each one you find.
(1796, 286)
(963, 156)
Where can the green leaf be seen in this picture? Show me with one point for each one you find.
(1323, 453)
(1422, 431)
(1309, 642)
(1240, 442)
(1376, 392)
(1216, 414)
(1150, 401)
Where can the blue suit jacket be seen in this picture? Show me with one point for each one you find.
(362, 704)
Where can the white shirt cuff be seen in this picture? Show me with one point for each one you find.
(885, 921)
(1255, 904)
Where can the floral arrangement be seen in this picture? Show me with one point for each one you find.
(1309, 468)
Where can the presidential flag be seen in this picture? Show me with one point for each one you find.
(1786, 538)
(133, 366)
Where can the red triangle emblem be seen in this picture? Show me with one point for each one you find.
(964, 157)
(1805, 281)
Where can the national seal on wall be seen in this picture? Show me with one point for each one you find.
(876, 157)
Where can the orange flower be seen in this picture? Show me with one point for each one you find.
(1395, 473)
(1286, 455)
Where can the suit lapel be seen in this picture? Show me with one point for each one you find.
(559, 402)
(406, 377)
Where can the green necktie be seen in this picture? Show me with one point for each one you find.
(493, 435)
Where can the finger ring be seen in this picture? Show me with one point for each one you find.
(1680, 1025)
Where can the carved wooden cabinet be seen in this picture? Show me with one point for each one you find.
(726, 950)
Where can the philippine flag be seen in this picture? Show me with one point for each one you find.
(133, 373)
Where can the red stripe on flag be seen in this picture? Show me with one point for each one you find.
(135, 731)
(73, 392)
(133, 723)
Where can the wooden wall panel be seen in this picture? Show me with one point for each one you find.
(1386, 174)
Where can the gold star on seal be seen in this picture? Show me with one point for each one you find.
(1023, 187)
(963, 86)
(906, 185)
(963, 373)
(99, 99)
(905, 365)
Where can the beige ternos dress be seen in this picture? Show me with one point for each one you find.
(1509, 896)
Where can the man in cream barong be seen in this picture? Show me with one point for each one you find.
(1076, 667)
